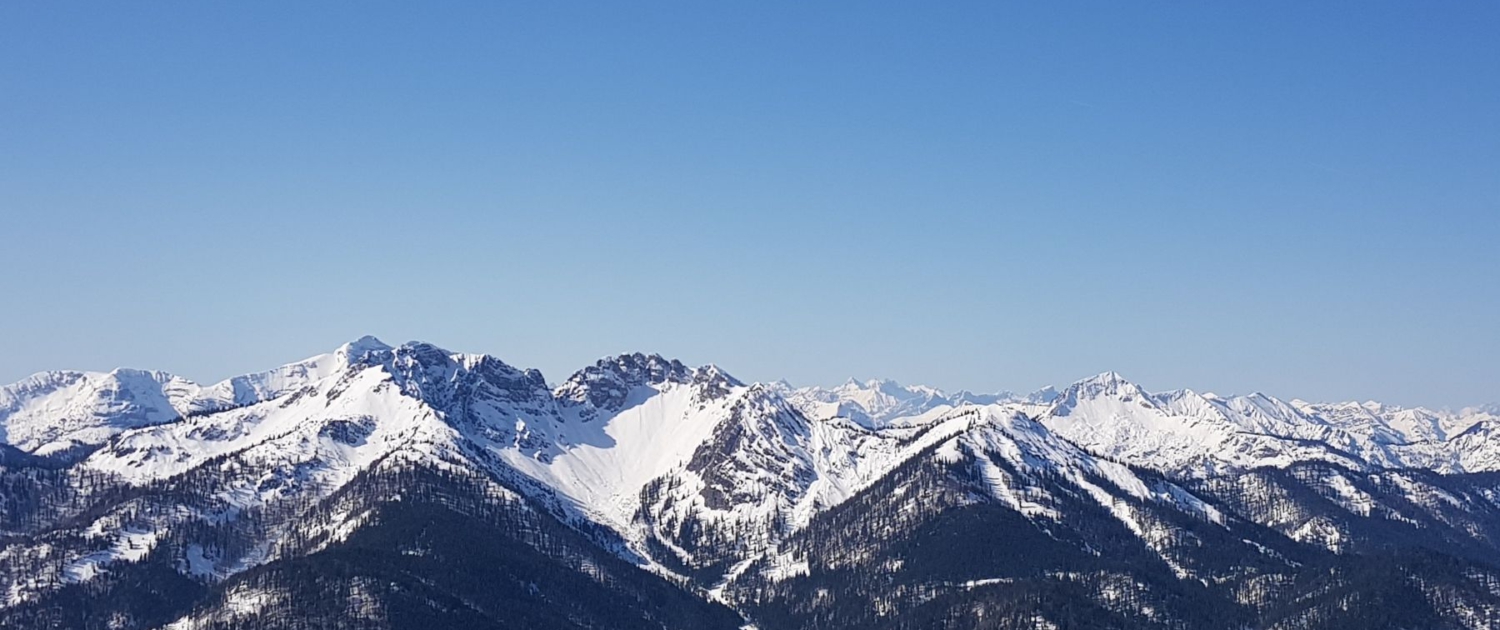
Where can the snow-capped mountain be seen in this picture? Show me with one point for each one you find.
(52, 412)
(1189, 433)
(877, 403)
(669, 492)
(870, 403)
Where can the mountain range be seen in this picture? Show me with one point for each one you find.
(382, 486)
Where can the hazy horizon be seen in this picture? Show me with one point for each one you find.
(555, 377)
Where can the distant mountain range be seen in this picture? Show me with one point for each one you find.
(391, 487)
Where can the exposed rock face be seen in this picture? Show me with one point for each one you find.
(382, 483)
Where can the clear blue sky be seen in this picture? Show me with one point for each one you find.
(1299, 198)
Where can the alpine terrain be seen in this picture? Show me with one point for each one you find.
(410, 486)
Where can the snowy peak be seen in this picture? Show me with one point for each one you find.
(714, 383)
(690, 470)
(1186, 432)
(966, 397)
(249, 389)
(458, 384)
(356, 350)
(1388, 423)
(1028, 447)
(1104, 384)
(1108, 386)
(758, 453)
(54, 412)
(606, 385)
(1044, 396)
(896, 391)
(876, 403)
(1200, 434)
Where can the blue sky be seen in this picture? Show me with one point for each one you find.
(1297, 198)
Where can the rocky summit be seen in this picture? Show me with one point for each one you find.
(381, 486)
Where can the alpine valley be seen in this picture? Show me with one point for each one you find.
(413, 487)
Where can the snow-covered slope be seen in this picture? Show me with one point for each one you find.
(616, 426)
(870, 403)
(696, 472)
(638, 443)
(52, 412)
(877, 403)
(1397, 425)
(1202, 434)
(255, 466)
(253, 388)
